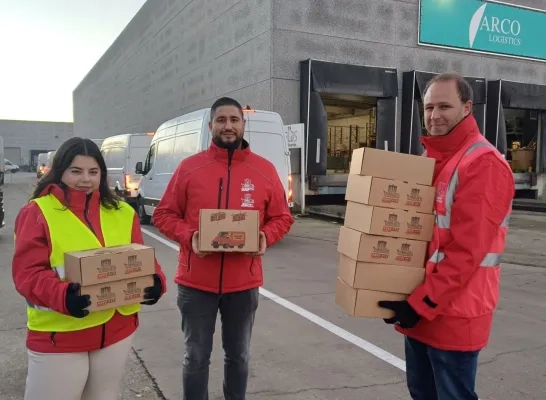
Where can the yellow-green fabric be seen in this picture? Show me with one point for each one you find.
(68, 233)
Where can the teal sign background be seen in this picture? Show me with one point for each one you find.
(483, 26)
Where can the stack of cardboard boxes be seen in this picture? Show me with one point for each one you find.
(388, 223)
(112, 276)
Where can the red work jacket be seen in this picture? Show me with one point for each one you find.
(474, 192)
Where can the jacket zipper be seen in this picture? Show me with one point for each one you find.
(230, 155)
(86, 216)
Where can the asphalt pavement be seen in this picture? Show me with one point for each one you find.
(304, 347)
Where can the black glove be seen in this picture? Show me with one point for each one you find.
(76, 304)
(406, 317)
(153, 293)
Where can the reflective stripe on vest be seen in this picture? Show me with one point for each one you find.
(68, 233)
(443, 222)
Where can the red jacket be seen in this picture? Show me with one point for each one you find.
(36, 281)
(461, 288)
(205, 180)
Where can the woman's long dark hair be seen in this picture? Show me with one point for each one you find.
(62, 160)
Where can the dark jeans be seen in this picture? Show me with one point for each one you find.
(199, 310)
(434, 374)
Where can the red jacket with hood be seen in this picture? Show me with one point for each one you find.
(36, 281)
(210, 180)
(456, 285)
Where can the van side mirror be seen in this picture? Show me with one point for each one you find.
(138, 168)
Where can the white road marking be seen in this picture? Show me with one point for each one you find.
(336, 330)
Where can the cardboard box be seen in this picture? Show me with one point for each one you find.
(380, 277)
(229, 230)
(108, 264)
(390, 193)
(523, 159)
(380, 249)
(389, 222)
(363, 303)
(392, 165)
(117, 293)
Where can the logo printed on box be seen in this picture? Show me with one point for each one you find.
(132, 291)
(381, 251)
(238, 217)
(414, 198)
(392, 224)
(414, 226)
(105, 296)
(391, 195)
(219, 216)
(404, 253)
(106, 269)
(133, 265)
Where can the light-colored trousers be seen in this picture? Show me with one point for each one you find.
(95, 375)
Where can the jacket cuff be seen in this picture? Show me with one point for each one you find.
(268, 237)
(422, 304)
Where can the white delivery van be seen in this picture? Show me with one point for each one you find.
(49, 161)
(189, 134)
(41, 165)
(121, 153)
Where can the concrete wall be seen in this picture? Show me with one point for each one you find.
(32, 135)
(175, 57)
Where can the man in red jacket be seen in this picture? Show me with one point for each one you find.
(225, 282)
(447, 320)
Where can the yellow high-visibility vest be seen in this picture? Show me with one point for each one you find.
(68, 233)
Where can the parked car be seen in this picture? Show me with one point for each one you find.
(9, 166)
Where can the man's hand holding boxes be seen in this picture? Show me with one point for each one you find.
(382, 246)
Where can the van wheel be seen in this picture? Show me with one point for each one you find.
(145, 219)
(241, 246)
(215, 245)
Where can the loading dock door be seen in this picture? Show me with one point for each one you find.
(503, 95)
(413, 87)
(321, 77)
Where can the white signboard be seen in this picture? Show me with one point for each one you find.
(294, 135)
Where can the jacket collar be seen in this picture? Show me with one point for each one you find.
(219, 153)
(440, 147)
(75, 200)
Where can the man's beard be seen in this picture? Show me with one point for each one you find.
(229, 146)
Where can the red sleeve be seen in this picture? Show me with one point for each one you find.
(482, 201)
(169, 213)
(33, 276)
(278, 218)
(136, 237)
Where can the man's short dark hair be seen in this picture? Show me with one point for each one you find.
(463, 87)
(225, 101)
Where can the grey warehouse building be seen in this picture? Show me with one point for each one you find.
(24, 140)
(352, 71)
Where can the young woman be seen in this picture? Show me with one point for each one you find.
(74, 354)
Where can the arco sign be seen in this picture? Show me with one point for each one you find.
(483, 26)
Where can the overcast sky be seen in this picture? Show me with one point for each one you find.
(48, 46)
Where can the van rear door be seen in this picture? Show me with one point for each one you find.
(265, 133)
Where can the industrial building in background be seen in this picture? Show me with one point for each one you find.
(24, 140)
(353, 72)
